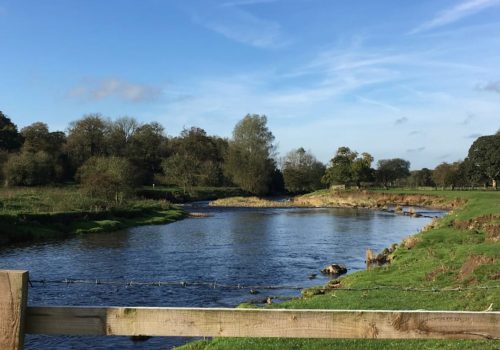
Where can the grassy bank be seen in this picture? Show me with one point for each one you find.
(347, 199)
(30, 214)
(459, 250)
(178, 195)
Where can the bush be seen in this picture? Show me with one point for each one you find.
(29, 169)
(108, 178)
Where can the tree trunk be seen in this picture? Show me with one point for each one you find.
(494, 184)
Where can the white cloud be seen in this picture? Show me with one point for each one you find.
(455, 13)
(115, 87)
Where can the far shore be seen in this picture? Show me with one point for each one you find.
(345, 199)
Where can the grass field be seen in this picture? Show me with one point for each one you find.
(28, 214)
(459, 250)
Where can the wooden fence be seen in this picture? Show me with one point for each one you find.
(17, 319)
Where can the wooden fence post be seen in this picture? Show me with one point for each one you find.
(13, 297)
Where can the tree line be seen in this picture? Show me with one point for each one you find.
(109, 158)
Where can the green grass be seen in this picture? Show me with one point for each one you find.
(307, 344)
(441, 258)
(31, 214)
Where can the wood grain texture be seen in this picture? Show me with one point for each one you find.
(263, 323)
(13, 296)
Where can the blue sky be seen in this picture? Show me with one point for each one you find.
(413, 79)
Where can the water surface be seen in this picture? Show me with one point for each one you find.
(232, 246)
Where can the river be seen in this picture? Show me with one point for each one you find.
(263, 247)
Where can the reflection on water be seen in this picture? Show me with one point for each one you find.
(232, 246)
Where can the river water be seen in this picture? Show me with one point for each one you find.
(264, 247)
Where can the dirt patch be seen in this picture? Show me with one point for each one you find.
(431, 276)
(495, 276)
(492, 232)
(487, 223)
(472, 263)
(410, 242)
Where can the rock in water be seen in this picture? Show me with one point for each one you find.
(334, 269)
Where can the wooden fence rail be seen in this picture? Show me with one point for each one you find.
(16, 319)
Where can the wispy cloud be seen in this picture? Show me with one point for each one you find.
(379, 104)
(492, 86)
(444, 156)
(401, 121)
(239, 25)
(455, 13)
(473, 136)
(115, 87)
(415, 132)
(415, 150)
(468, 119)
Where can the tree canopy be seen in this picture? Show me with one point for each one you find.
(391, 170)
(302, 172)
(249, 161)
(346, 168)
(10, 139)
(446, 175)
(107, 178)
(484, 155)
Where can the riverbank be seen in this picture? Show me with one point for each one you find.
(346, 199)
(43, 213)
(452, 264)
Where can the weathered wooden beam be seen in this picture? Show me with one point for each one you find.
(263, 323)
(13, 296)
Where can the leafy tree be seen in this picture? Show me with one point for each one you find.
(362, 169)
(340, 170)
(391, 170)
(112, 179)
(484, 154)
(277, 185)
(421, 178)
(148, 145)
(29, 169)
(446, 175)
(86, 139)
(302, 172)
(38, 138)
(347, 168)
(10, 139)
(4, 156)
(119, 135)
(249, 162)
(182, 170)
(206, 151)
(470, 176)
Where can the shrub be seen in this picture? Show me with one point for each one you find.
(29, 169)
(108, 178)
